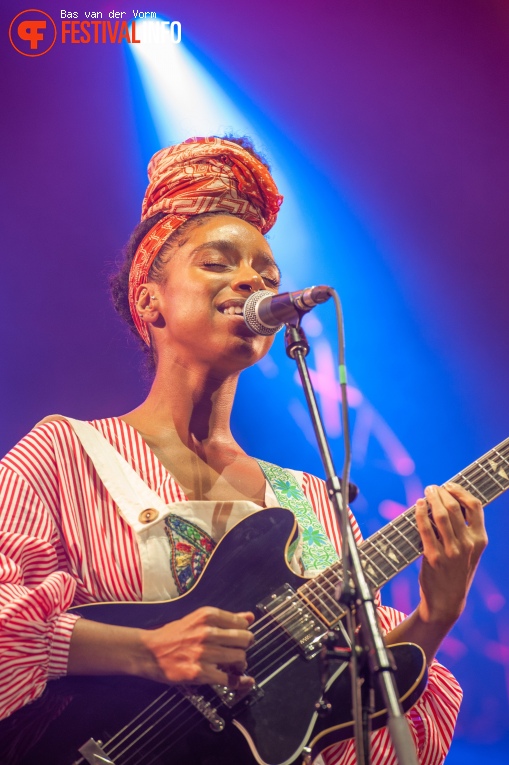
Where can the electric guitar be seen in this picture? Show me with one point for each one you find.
(130, 721)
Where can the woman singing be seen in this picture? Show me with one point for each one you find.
(129, 508)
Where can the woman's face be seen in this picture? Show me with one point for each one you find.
(207, 281)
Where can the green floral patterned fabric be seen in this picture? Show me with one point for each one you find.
(318, 552)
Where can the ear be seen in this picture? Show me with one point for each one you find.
(146, 301)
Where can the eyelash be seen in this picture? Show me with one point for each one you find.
(273, 282)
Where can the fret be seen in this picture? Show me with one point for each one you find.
(416, 550)
(481, 474)
(504, 459)
(329, 596)
(502, 472)
(411, 551)
(473, 489)
(477, 481)
(333, 577)
(367, 560)
(371, 554)
(320, 606)
(411, 533)
(391, 555)
(398, 543)
(493, 477)
(314, 608)
(333, 580)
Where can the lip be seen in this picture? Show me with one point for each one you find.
(232, 303)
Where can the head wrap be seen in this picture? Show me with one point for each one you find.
(198, 176)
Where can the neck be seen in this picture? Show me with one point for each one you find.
(191, 400)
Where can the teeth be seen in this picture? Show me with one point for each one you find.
(233, 310)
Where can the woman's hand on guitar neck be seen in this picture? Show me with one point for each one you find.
(453, 539)
(452, 547)
(206, 646)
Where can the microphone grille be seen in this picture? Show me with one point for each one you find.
(251, 314)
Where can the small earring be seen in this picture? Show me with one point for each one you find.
(152, 297)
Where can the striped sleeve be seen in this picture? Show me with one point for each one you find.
(433, 718)
(34, 595)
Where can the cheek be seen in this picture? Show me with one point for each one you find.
(186, 299)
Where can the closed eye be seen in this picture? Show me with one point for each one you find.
(222, 266)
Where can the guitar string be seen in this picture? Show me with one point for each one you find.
(390, 532)
(481, 465)
(476, 472)
(276, 662)
(188, 719)
(144, 717)
(173, 720)
(261, 620)
(130, 732)
(143, 720)
(479, 469)
(383, 534)
(281, 620)
(376, 556)
(371, 555)
(478, 475)
(166, 734)
(181, 717)
(494, 478)
(147, 715)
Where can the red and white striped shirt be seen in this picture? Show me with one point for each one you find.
(63, 543)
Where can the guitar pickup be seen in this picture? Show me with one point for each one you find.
(296, 619)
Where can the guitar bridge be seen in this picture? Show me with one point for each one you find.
(297, 620)
(232, 698)
(204, 706)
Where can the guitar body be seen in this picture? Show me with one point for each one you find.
(246, 568)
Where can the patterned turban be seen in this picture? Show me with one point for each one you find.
(199, 176)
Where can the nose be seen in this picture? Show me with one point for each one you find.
(246, 279)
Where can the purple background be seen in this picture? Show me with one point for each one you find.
(398, 114)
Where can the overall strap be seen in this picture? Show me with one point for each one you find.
(127, 489)
(141, 508)
(318, 552)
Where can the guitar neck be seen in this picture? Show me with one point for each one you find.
(396, 545)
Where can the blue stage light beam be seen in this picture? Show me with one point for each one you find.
(185, 100)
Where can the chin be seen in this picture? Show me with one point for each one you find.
(240, 355)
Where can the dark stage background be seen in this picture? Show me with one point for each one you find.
(387, 124)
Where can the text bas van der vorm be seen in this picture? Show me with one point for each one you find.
(112, 26)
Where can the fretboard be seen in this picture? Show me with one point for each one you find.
(396, 545)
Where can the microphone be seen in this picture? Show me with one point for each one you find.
(265, 313)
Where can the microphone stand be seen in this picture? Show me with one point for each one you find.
(369, 657)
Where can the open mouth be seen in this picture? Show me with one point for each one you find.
(233, 310)
(232, 307)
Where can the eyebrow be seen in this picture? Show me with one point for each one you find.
(225, 246)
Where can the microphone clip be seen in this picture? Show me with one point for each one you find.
(295, 339)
